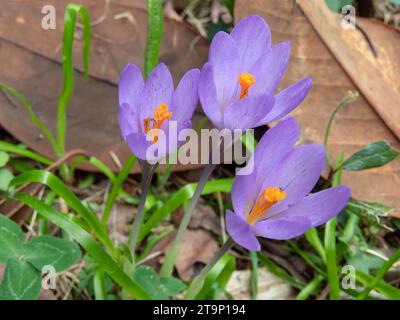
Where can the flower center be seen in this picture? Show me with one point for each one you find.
(268, 198)
(246, 81)
(160, 114)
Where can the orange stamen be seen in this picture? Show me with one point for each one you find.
(160, 115)
(268, 198)
(246, 81)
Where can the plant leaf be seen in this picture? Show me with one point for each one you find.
(11, 239)
(159, 288)
(371, 156)
(21, 281)
(5, 177)
(93, 248)
(4, 157)
(48, 250)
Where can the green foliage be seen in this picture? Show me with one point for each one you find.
(154, 34)
(71, 13)
(217, 279)
(371, 156)
(21, 281)
(11, 239)
(5, 178)
(46, 250)
(337, 5)
(4, 157)
(91, 246)
(25, 260)
(159, 288)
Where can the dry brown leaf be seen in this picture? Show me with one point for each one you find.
(355, 126)
(31, 57)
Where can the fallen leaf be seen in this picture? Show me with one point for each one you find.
(118, 37)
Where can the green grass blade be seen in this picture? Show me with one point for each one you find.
(310, 288)
(380, 274)
(154, 34)
(117, 185)
(34, 118)
(384, 288)
(58, 187)
(279, 272)
(313, 239)
(218, 277)
(87, 242)
(254, 274)
(179, 198)
(9, 147)
(71, 13)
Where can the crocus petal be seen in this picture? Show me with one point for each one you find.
(139, 145)
(130, 86)
(319, 207)
(245, 113)
(269, 69)
(282, 229)
(208, 96)
(224, 58)
(185, 98)
(168, 142)
(288, 99)
(158, 89)
(273, 147)
(298, 175)
(128, 120)
(241, 232)
(253, 39)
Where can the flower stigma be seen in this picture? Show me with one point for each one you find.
(268, 198)
(152, 125)
(246, 81)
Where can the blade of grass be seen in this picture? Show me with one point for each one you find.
(311, 288)
(330, 250)
(254, 274)
(56, 185)
(34, 118)
(279, 272)
(383, 287)
(380, 274)
(117, 186)
(87, 242)
(351, 96)
(313, 239)
(218, 277)
(154, 34)
(71, 13)
(99, 287)
(18, 150)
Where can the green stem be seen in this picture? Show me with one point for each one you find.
(147, 174)
(330, 250)
(347, 99)
(197, 282)
(168, 265)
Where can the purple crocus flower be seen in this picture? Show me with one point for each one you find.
(273, 201)
(145, 108)
(238, 83)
